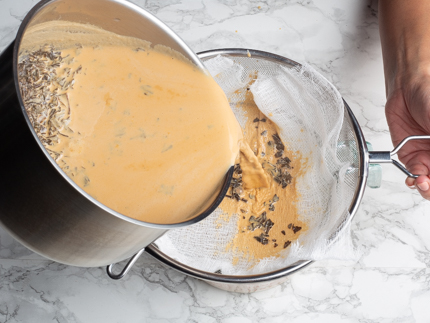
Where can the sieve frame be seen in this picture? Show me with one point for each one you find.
(363, 169)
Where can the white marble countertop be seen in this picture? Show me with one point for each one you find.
(389, 283)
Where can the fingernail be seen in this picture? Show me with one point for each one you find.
(424, 186)
(412, 187)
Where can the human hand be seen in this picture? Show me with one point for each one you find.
(408, 113)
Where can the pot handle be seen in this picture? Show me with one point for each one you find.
(385, 157)
(126, 268)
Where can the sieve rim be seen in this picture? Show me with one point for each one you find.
(363, 167)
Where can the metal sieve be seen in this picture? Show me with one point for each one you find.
(351, 148)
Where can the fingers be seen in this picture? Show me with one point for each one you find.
(410, 182)
(421, 184)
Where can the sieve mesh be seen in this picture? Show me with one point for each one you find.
(295, 97)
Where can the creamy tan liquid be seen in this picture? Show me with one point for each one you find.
(259, 189)
(150, 135)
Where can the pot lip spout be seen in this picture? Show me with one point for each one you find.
(187, 52)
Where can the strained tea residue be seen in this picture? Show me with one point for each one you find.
(266, 209)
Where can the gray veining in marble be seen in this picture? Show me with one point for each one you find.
(389, 283)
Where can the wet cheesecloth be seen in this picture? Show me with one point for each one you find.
(312, 120)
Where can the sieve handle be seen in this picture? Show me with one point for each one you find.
(126, 268)
(385, 157)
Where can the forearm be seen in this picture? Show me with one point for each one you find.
(405, 38)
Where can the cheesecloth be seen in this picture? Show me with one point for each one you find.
(310, 114)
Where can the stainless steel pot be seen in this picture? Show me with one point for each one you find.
(39, 205)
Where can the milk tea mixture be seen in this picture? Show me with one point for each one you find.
(140, 129)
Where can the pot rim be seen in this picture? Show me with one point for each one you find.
(190, 54)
